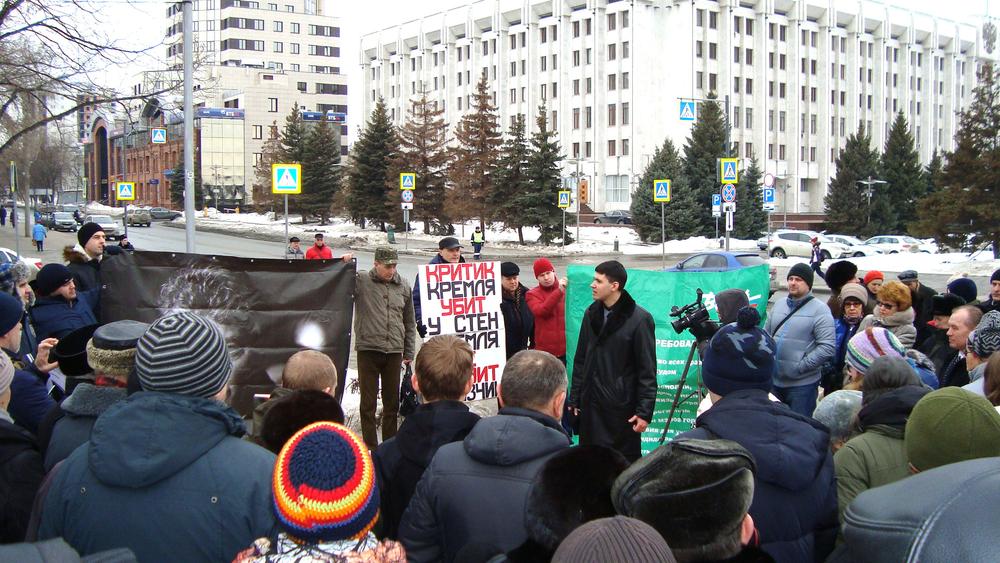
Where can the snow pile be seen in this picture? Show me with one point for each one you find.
(979, 264)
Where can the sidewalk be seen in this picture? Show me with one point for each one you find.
(54, 243)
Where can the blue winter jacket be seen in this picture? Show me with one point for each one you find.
(55, 317)
(805, 343)
(38, 232)
(795, 495)
(166, 476)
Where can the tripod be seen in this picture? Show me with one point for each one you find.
(680, 390)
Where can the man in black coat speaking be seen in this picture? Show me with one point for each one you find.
(614, 369)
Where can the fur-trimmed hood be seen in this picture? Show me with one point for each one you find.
(77, 255)
(91, 400)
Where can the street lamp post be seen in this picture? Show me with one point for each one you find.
(870, 183)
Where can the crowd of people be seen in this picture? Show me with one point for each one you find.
(822, 426)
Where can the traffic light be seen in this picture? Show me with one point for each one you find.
(584, 192)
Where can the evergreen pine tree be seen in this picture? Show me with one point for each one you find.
(177, 183)
(750, 220)
(479, 139)
(510, 175)
(933, 174)
(680, 214)
(706, 144)
(369, 176)
(846, 202)
(320, 170)
(263, 197)
(966, 205)
(538, 204)
(905, 181)
(423, 141)
(293, 148)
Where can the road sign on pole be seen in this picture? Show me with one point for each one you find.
(716, 205)
(407, 181)
(125, 191)
(728, 193)
(729, 226)
(768, 180)
(564, 199)
(406, 196)
(729, 170)
(661, 191)
(286, 178)
(687, 111)
(769, 203)
(158, 136)
(406, 205)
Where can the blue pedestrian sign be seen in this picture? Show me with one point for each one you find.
(125, 191)
(687, 111)
(728, 193)
(286, 178)
(407, 181)
(564, 199)
(158, 136)
(728, 170)
(661, 191)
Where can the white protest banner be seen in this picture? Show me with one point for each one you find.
(464, 299)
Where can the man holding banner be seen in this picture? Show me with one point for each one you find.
(614, 369)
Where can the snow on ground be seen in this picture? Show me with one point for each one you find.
(980, 264)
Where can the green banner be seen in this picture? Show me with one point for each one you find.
(657, 292)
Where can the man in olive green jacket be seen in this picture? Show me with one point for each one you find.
(385, 331)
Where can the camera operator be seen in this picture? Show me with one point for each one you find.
(728, 303)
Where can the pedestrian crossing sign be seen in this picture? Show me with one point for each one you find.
(728, 173)
(661, 191)
(687, 111)
(564, 199)
(125, 191)
(286, 178)
(407, 181)
(158, 136)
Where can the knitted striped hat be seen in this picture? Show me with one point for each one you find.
(324, 485)
(869, 344)
(183, 353)
(986, 338)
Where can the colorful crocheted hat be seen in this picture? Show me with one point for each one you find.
(324, 485)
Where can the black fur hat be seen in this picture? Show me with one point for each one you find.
(840, 273)
(571, 489)
(294, 412)
(694, 492)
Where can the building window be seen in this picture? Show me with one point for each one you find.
(295, 27)
(576, 150)
(749, 120)
(624, 81)
(625, 49)
(624, 113)
(576, 29)
(295, 48)
(576, 86)
(590, 85)
(272, 104)
(612, 52)
(612, 21)
(279, 26)
(624, 147)
(612, 82)
(587, 153)
(576, 118)
(588, 117)
(713, 20)
(615, 186)
(279, 47)
(301, 86)
(612, 115)
(611, 148)
(713, 51)
(258, 131)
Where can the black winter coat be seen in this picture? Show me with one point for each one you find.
(474, 491)
(923, 307)
(614, 375)
(401, 460)
(21, 474)
(795, 495)
(518, 322)
(86, 271)
(936, 348)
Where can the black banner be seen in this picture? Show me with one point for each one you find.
(269, 309)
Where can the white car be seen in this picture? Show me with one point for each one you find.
(894, 244)
(856, 245)
(7, 256)
(786, 242)
(110, 226)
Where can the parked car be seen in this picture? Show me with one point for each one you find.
(614, 216)
(857, 246)
(786, 242)
(162, 213)
(138, 218)
(721, 261)
(63, 221)
(893, 244)
(110, 226)
(34, 264)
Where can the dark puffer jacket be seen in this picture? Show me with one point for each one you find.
(69, 424)
(401, 460)
(166, 476)
(21, 474)
(518, 321)
(55, 317)
(795, 496)
(474, 491)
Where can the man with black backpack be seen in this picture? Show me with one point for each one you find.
(802, 327)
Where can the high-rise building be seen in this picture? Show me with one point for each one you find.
(262, 58)
(797, 77)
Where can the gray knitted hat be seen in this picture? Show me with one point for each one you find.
(614, 540)
(986, 338)
(183, 353)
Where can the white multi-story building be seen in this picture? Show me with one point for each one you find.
(263, 58)
(799, 77)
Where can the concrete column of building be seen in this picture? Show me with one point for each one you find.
(827, 74)
(794, 103)
(762, 102)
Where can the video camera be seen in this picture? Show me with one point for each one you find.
(694, 317)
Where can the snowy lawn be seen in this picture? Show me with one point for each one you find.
(980, 264)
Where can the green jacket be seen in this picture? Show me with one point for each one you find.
(875, 458)
(383, 315)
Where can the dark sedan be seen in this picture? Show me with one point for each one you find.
(614, 217)
(162, 213)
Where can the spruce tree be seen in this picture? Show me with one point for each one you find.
(905, 181)
(706, 144)
(320, 170)
(751, 219)
(293, 148)
(680, 214)
(479, 139)
(369, 177)
(263, 197)
(510, 174)
(934, 174)
(423, 151)
(966, 205)
(846, 201)
(539, 203)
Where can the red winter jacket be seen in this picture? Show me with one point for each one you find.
(316, 253)
(548, 305)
